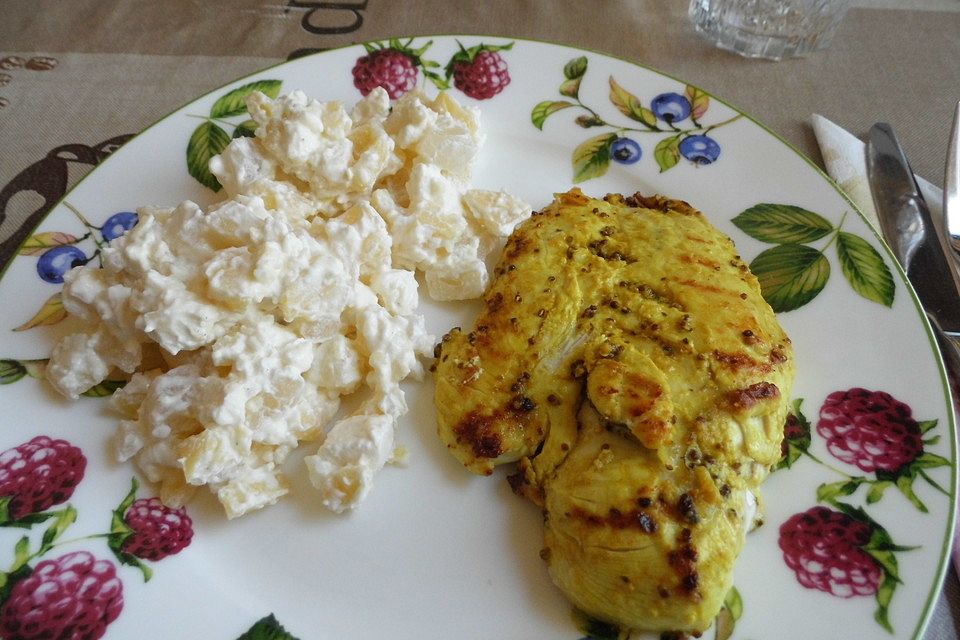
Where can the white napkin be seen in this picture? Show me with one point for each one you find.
(846, 160)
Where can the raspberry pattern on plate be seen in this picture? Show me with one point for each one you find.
(840, 549)
(75, 594)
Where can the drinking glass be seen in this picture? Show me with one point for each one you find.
(771, 29)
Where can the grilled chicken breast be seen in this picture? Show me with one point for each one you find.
(626, 360)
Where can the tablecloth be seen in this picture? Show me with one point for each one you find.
(79, 78)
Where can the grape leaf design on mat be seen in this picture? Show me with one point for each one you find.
(792, 272)
(210, 138)
(674, 117)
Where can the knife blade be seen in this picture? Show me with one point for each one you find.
(910, 230)
(951, 185)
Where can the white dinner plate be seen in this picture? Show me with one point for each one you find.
(858, 519)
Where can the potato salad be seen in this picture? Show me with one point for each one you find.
(242, 325)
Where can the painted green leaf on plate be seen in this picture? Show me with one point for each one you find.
(864, 269)
(267, 628)
(591, 159)
(699, 101)
(905, 484)
(117, 523)
(734, 603)
(234, 103)
(877, 489)
(667, 153)
(573, 73)
(23, 522)
(545, 109)
(8, 579)
(884, 596)
(21, 552)
(570, 88)
(104, 389)
(576, 68)
(629, 105)
(927, 425)
(593, 628)
(880, 547)
(207, 140)
(246, 129)
(120, 531)
(11, 371)
(40, 242)
(61, 521)
(731, 611)
(929, 460)
(782, 224)
(50, 313)
(797, 437)
(790, 275)
(831, 491)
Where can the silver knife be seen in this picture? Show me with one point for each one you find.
(951, 184)
(913, 235)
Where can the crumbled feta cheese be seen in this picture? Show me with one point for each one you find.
(248, 320)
